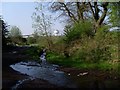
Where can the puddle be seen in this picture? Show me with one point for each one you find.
(47, 72)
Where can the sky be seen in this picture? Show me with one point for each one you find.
(19, 14)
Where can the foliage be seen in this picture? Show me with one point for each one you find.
(36, 35)
(15, 32)
(34, 51)
(58, 44)
(42, 42)
(42, 23)
(24, 41)
(31, 40)
(114, 14)
(78, 30)
(52, 57)
(86, 47)
(81, 11)
(98, 48)
(82, 43)
(16, 36)
(3, 28)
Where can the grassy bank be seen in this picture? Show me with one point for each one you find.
(60, 59)
(71, 62)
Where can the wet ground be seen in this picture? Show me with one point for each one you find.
(11, 77)
(93, 79)
(84, 79)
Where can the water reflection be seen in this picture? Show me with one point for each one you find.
(46, 72)
(43, 56)
(20, 82)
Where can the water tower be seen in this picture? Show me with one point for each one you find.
(56, 32)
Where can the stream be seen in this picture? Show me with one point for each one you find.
(43, 71)
(47, 72)
(50, 73)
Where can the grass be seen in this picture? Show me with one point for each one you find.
(33, 52)
(61, 60)
(70, 62)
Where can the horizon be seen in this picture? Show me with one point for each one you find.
(19, 14)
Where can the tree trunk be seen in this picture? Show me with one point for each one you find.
(79, 12)
(98, 20)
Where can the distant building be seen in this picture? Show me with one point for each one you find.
(26, 36)
(56, 32)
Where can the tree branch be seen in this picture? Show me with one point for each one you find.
(96, 11)
(79, 12)
(101, 19)
(70, 14)
(92, 10)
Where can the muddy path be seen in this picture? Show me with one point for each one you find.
(93, 79)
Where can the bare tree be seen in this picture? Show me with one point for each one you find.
(80, 11)
(42, 23)
(96, 8)
(74, 10)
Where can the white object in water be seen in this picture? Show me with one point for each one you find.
(82, 74)
(68, 73)
(14, 52)
(42, 58)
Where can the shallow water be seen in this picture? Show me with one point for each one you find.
(50, 73)
(47, 72)
(20, 82)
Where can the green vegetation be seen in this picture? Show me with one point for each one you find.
(87, 42)
(31, 40)
(78, 31)
(71, 62)
(88, 51)
(3, 29)
(15, 36)
(34, 52)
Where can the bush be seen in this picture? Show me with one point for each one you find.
(31, 40)
(99, 48)
(78, 30)
(34, 52)
(54, 57)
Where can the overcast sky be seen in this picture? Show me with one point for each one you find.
(19, 14)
